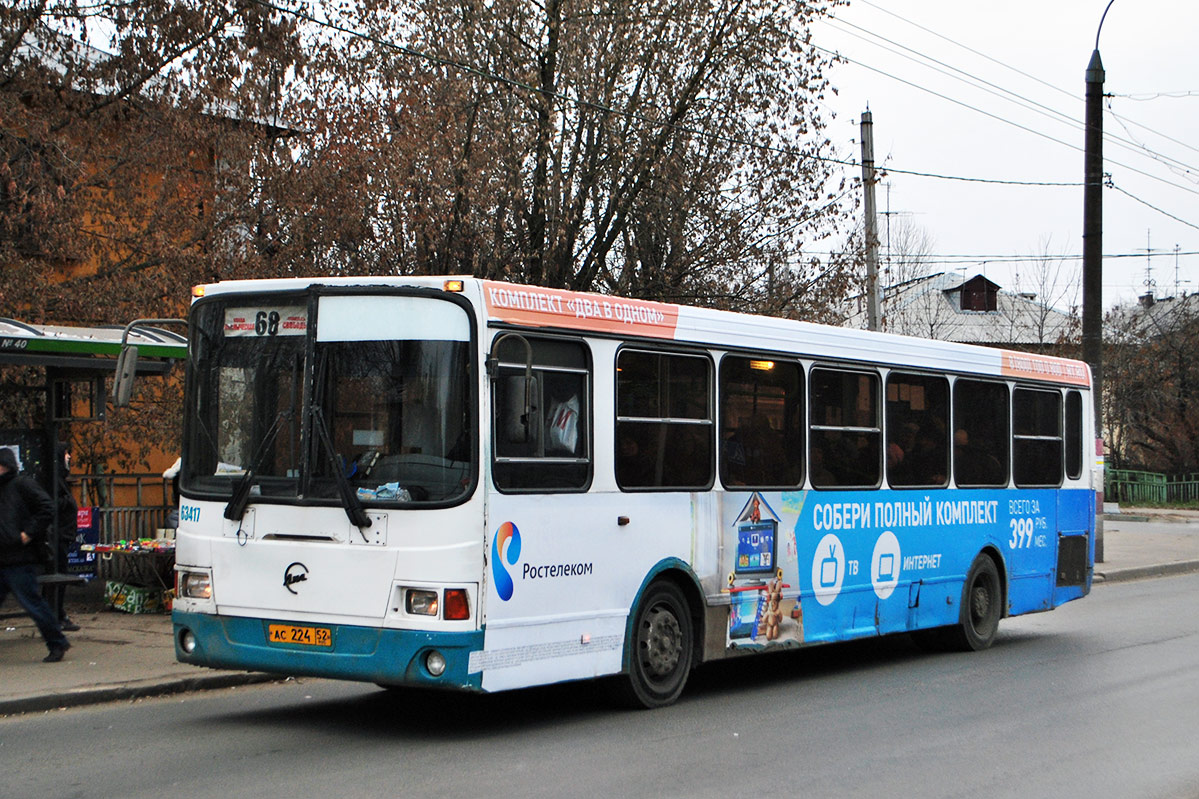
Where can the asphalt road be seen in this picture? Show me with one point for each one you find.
(1097, 699)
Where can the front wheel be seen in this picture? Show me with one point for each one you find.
(661, 648)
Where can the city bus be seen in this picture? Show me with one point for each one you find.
(466, 484)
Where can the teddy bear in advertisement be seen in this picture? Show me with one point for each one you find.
(772, 616)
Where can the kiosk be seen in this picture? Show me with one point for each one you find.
(73, 364)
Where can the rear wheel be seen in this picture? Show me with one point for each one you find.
(661, 648)
(982, 607)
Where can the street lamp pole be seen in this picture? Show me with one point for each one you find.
(1092, 247)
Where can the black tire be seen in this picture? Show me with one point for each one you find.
(982, 607)
(661, 649)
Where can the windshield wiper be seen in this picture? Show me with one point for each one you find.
(349, 499)
(236, 508)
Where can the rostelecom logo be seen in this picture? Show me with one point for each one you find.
(504, 546)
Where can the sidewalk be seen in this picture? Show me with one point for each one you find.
(1148, 542)
(116, 656)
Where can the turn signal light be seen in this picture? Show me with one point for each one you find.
(456, 607)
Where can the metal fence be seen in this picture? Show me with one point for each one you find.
(1184, 488)
(1150, 488)
(131, 505)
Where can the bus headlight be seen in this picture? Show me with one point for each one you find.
(420, 603)
(194, 585)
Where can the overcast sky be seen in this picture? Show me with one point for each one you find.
(1028, 127)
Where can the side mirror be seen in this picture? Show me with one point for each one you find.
(122, 391)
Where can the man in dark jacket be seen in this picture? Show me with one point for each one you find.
(25, 513)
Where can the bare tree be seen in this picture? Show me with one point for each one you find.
(1151, 398)
(1048, 285)
(655, 149)
(913, 301)
(908, 249)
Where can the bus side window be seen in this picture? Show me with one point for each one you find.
(761, 423)
(541, 424)
(845, 429)
(664, 429)
(917, 430)
(980, 440)
(1074, 437)
(1037, 437)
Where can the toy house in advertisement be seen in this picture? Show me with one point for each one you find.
(763, 581)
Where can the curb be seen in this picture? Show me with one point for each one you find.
(1143, 572)
(131, 691)
(1165, 516)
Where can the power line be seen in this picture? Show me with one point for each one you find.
(1154, 207)
(890, 171)
(884, 73)
(1008, 95)
(996, 117)
(1138, 147)
(1155, 96)
(1145, 127)
(1181, 170)
(978, 53)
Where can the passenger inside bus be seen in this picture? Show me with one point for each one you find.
(975, 465)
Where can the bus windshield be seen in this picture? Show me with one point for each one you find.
(375, 391)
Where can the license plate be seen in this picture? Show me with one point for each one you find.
(292, 634)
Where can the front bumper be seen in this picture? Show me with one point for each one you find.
(370, 654)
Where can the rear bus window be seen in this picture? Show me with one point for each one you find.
(1037, 437)
(1074, 437)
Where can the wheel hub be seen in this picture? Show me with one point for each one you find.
(661, 643)
(980, 604)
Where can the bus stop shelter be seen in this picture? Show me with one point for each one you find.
(66, 379)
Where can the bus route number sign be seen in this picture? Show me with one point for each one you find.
(292, 634)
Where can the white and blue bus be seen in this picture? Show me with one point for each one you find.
(475, 485)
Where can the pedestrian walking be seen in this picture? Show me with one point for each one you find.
(25, 514)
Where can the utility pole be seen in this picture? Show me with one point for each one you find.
(1092, 254)
(868, 181)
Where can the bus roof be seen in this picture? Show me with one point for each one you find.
(537, 307)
